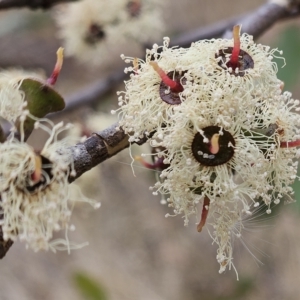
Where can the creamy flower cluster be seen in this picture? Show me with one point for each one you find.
(222, 137)
(36, 198)
(93, 30)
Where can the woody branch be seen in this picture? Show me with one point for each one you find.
(32, 4)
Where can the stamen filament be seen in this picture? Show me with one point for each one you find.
(234, 59)
(175, 86)
(204, 214)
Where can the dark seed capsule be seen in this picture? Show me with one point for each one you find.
(245, 61)
(202, 151)
(168, 95)
(95, 34)
(46, 166)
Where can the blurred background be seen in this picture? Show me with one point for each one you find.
(134, 252)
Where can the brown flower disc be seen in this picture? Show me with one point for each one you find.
(245, 61)
(201, 151)
(168, 95)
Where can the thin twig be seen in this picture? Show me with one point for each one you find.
(210, 31)
(4, 245)
(97, 148)
(91, 94)
(257, 22)
(32, 4)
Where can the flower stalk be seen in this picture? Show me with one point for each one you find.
(234, 59)
(57, 68)
(174, 85)
(204, 214)
(290, 144)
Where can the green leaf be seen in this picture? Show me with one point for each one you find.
(41, 99)
(90, 289)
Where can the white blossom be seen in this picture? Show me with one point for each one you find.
(256, 74)
(36, 198)
(228, 144)
(95, 30)
(147, 102)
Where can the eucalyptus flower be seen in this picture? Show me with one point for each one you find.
(85, 28)
(94, 30)
(36, 198)
(142, 20)
(224, 132)
(239, 64)
(156, 87)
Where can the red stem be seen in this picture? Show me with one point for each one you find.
(204, 214)
(157, 165)
(175, 86)
(234, 59)
(37, 173)
(290, 144)
(52, 79)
